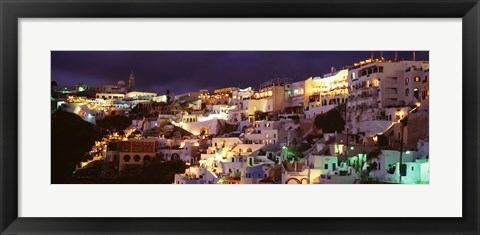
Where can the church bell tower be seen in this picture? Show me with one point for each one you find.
(131, 81)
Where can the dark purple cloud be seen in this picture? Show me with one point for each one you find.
(183, 71)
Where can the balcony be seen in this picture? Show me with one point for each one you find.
(363, 96)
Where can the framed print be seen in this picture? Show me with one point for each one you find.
(239, 117)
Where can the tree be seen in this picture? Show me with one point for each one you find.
(330, 122)
(382, 141)
(121, 133)
(72, 138)
(167, 93)
(259, 115)
(373, 154)
(115, 122)
(243, 116)
(296, 119)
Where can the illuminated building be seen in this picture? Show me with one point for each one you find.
(380, 83)
(298, 94)
(187, 97)
(226, 90)
(109, 96)
(416, 167)
(92, 88)
(265, 132)
(196, 175)
(219, 96)
(135, 152)
(328, 91)
(378, 87)
(141, 95)
(273, 92)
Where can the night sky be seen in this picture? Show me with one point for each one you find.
(184, 71)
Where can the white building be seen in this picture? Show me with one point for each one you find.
(378, 84)
(387, 166)
(109, 96)
(242, 94)
(265, 132)
(253, 174)
(196, 175)
(141, 95)
(325, 163)
(329, 91)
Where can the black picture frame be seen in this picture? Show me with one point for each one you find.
(11, 11)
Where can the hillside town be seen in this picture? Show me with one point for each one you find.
(364, 123)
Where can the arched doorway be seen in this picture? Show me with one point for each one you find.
(293, 181)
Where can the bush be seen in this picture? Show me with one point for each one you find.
(330, 122)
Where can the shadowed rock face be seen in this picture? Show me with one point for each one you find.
(417, 128)
(72, 137)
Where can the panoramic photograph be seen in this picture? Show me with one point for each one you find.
(240, 117)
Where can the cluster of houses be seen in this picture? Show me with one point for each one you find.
(269, 136)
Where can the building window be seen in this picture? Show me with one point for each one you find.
(136, 158)
(425, 79)
(407, 91)
(326, 166)
(406, 81)
(380, 69)
(353, 76)
(417, 78)
(126, 158)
